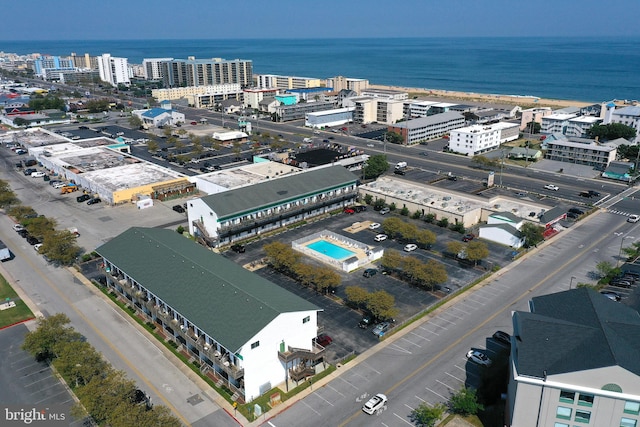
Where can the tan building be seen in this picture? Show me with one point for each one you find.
(286, 82)
(339, 83)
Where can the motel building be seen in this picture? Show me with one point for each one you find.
(242, 330)
(225, 217)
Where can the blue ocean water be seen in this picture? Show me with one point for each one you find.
(584, 69)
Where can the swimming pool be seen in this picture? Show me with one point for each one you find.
(329, 249)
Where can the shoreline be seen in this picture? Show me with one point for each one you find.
(521, 100)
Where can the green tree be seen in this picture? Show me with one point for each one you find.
(425, 238)
(375, 166)
(394, 138)
(60, 246)
(429, 218)
(431, 274)
(533, 234)
(392, 260)
(356, 296)
(40, 226)
(379, 204)
(304, 273)
(404, 211)
(368, 198)
(458, 226)
(48, 102)
(477, 251)
(605, 268)
(392, 226)
(484, 162)
(80, 362)
(381, 305)
(465, 402)
(326, 278)
(42, 343)
(7, 196)
(103, 395)
(152, 146)
(19, 121)
(454, 247)
(533, 127)
(281, 256)
(443, 222)
(97, 105)
(135, 121)
(427, 416)
(611, 131)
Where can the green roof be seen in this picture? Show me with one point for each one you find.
(277, 191)
(563, 328)
(221, 298)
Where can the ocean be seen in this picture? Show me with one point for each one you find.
(580, 68)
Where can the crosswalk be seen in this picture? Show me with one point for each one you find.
(617, 212)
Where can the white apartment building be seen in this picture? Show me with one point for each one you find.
(427, 128)
(285, 82)
(629, 116)
(388, 111)
(252, 96)
(574, 362)
(579, 127)
(535, 115)
(556, 123)
(339, 83)
(113, 70)
(385, 94)
(414, 108)
(476, 139)
(190, 92)
(365, 108)
(152, 68)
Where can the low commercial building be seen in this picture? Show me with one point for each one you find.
(477, 139)
(240, 213)
(427, 128)
(285, 113)
(574, 362)
(159, 116)
(321, 119)
(503, 228)
(242, 329)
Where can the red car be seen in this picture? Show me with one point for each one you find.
(468, 237)
(324, 340)
(349, 211)
(194, 123)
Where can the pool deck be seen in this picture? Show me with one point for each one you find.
(358, 252)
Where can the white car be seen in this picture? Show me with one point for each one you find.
(18, 227)
(37, 247)
(370, 145)
(38, 174)
(380, 237)
(410, 247)
(374, 225)
(478, 357)
(633, 218)
(551, 187)
(375, 405)
(59, 185)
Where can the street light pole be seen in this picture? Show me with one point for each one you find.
(620, 251)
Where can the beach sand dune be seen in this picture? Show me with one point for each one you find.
(523, 101)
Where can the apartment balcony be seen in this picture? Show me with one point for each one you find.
(317, 352)
(283, 214)
(298, 374)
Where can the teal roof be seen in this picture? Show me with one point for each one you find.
(275, 192)
(227, 302)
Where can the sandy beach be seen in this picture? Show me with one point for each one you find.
(522, 101)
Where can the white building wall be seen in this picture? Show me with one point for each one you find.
(262, 368)
(474, 139)
(498, 235)
(203, 213)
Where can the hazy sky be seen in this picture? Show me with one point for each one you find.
(219, 19)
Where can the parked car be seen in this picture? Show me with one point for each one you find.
(365, 322)
(468, 237)
(37, 247)
(410, 247)
(478, 357)
(376, 404)
(380, 237)
(594, 193)
(572, 215)
(614, 296)
(23, 233)
(577, 211)
(238, 248)
(21, 151)
(359, 208)
(59, 185)
(18, 227)
(384, 211)
(502, 337)
(349, 211)
(400, 172)
(374, 225)
(381, 328)
(94, 201)
(29, 171)
(33, 240)
(452, 178)
(324, 340)
(83, 198)
(633, 218)
(370, 272)
(37, 174)
(178, 208)
(551, 187)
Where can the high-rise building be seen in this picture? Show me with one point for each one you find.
(206, 72)
(152, 67)
(113, 70)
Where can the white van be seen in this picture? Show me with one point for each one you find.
(401, 165)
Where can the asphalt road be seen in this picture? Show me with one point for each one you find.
(427, 362)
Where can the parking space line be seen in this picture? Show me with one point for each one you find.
(328, 385)
(446, 385)
(400, 348)
(307, 405)
(404, 338)
(369, 366)
(419, 336)
(428, 330)
(347, 382)
(439, 395)
(361, 376)
(320, 396)
(62, 391)
(37, 381)
(402, 418)
(454, 377)
(446, 320)
(27, 367)
(410, 408)
(454, 308)
(421, 399)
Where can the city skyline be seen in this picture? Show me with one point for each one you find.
(71, 20)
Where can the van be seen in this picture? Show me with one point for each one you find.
(401, 165)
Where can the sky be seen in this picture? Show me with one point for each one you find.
(286, 19)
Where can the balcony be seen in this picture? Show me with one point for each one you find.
(298, 374)
(292, 353)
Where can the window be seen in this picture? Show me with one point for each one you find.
(306, 319)
(585, 399)
(632, 408)
(560, 425)
(255, 344)
(563, 413)
(628, 422)
(583, 416)
(567, 396)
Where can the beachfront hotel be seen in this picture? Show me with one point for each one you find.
(206, 72)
